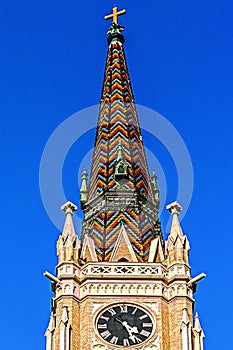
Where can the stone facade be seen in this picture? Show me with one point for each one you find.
(82, 290)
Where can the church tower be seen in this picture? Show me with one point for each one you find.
(121, 286)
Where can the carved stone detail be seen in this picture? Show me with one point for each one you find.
(69, 287)
(119, 269)
(153, 345)
(123, 269)
(97, 345)
(153, 280)
(67, 269)
(179, 289)
(178, 270)
(124, 289)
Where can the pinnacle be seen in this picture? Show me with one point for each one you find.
(174, 208)
(68, 230)
(197, 324)
(185, 317)
(84, 188)
(69, 208)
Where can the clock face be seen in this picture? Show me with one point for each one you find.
(124, 325)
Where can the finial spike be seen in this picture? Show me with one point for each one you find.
(84, 188)
(155, 188)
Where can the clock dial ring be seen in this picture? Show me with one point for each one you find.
(124, 324)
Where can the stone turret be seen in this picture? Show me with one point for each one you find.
(68, 242)
(177, 246)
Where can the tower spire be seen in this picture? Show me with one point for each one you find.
(119, 183)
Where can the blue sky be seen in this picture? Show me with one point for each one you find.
(52, 61)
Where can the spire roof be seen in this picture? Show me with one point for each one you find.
(120, 185)
(118, 123)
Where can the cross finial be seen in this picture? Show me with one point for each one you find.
(115, 13)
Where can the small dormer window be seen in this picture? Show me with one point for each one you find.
(121, 169)
(123, 260)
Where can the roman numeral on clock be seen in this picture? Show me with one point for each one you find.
(105, 334)
(124, 308)
(145, 333)
(102, 326)
(147, 325)
(112, 312)
(143, 316)
(104, 318)
(114, 340)
(126, 342)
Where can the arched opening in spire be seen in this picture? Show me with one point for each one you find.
(123, 260)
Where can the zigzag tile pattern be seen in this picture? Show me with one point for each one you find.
(118, 121)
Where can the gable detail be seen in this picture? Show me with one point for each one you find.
(123, 248)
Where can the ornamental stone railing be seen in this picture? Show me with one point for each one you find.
(152, 270)
(125, 269)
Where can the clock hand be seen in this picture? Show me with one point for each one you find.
(129, 329)
(134, 338)
(117, 319)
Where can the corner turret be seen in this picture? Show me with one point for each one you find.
(177, 247)
(68, 242)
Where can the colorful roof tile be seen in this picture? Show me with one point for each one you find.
(119, 186)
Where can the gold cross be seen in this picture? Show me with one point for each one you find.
(115, 14)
